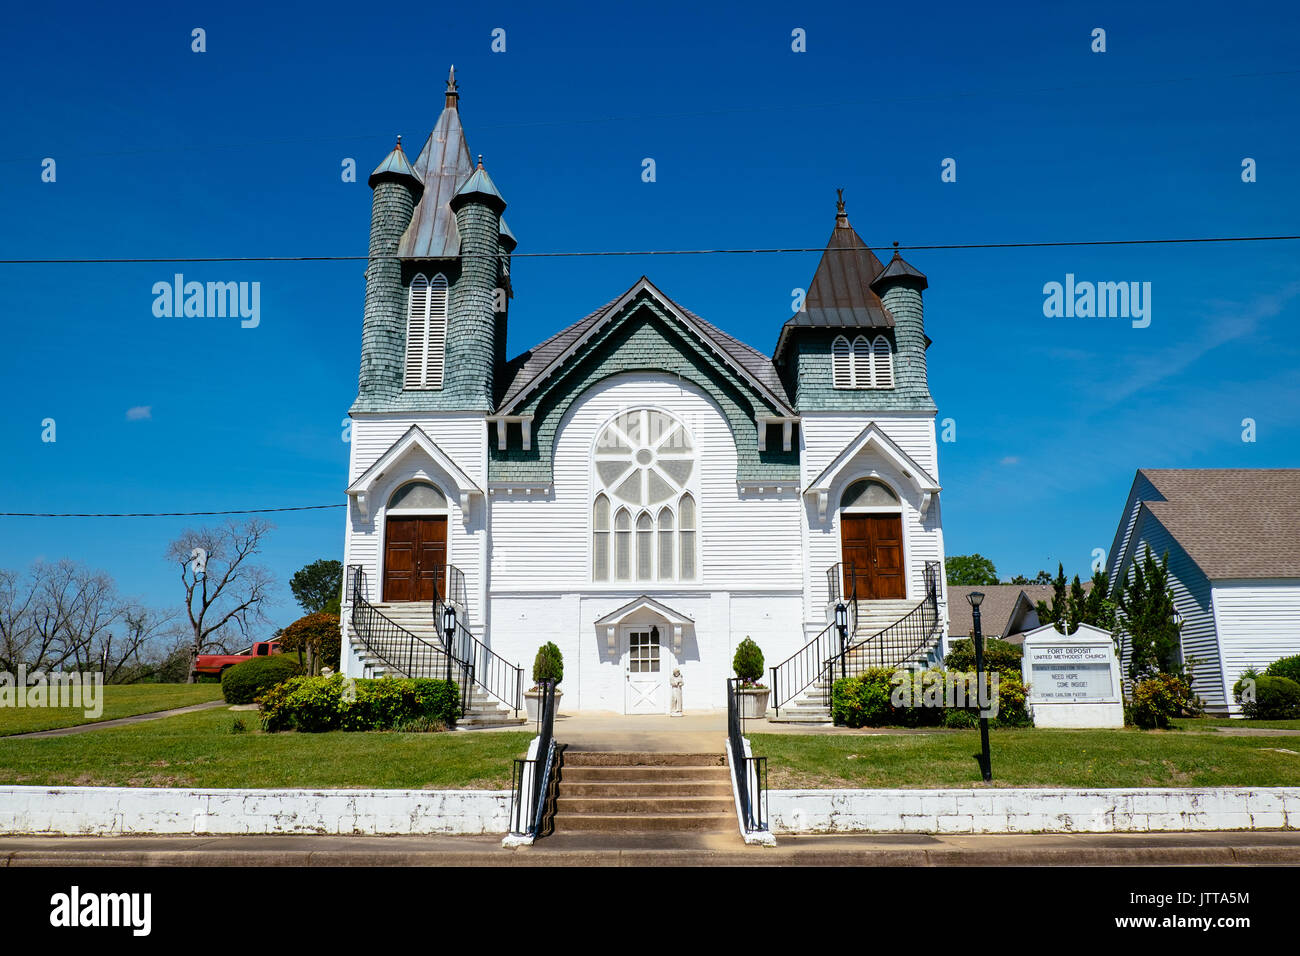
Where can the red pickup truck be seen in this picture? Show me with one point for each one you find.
(215, 664)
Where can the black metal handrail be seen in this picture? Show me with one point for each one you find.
(385, 639)
(497, 676)
(900, 641)
(532, 790)
(812, 662)
(804, 667)
(749, 774)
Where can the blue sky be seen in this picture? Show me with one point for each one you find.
(237, 152)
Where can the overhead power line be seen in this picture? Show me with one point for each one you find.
(126, 260)
(162, 514)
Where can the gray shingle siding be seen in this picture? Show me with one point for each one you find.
(383, 335)
(809, 376)
(648, 340)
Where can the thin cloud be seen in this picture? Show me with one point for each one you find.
(139, 413)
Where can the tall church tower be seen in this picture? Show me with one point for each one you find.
(437, 282)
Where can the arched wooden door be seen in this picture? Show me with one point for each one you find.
(415, 554)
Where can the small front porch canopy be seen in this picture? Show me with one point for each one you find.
(872, 437)
(610, 622)
(416, 442)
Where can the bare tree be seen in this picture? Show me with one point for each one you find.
(225, 592)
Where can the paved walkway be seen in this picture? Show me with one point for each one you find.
(1274, 847)
(118, 721)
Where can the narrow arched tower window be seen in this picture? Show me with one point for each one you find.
(861, 362)
(426, 332)
(882, 364)
(841, 363)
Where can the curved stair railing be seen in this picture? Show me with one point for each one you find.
(389, 642)
(900, 641)
(407, 653)
(810, 663)
(499, 679)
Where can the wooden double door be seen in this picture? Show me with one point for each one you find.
(415, 554)
(873, 548)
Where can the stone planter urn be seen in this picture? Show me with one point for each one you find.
(533, 703)
(753, 701)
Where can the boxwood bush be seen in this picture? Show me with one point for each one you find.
(869, 700)
(748, 663)
(320, 704)
(250, 679)
(1275, 698)
(1288, 667)
(1000, 656)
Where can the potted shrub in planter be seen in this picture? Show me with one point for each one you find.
(748, 665)
(547, 665)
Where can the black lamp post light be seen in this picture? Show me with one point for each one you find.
(976, 598)
(842, 625)
(449, 628)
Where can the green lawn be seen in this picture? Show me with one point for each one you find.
(1029, 758)
(199, 750)
(120, 700)
(1209, 723)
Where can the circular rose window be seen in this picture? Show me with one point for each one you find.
(644, 457)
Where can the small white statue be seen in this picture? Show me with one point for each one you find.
(676, 684)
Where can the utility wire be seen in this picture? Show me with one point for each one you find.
(163, 514)
(657, 252)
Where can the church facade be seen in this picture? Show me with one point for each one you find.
(641, 488)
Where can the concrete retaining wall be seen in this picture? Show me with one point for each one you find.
(101, 811)
(1034, 811)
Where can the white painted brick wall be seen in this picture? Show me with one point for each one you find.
(103, 811)
(1030, 811)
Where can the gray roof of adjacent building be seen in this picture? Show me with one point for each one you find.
(1233, 522)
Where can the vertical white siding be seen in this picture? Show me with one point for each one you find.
(463, 439)
(824, 438)
(1259, 621)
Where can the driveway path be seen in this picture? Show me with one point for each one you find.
(118, 721)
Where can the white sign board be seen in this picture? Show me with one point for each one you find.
(1073, 680)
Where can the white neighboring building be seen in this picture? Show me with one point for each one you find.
(641, 488)
(1233, 540)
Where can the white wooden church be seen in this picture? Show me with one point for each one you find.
(641, 488)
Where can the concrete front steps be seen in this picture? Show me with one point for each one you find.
(813, 706)
(621, 792)
(484, 710)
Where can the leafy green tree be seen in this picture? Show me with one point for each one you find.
(1145, 607)
(1074, 605)
(319, 587)
(971, 570)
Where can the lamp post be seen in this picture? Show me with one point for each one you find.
(449, 628)
(842, 625)
(976, 598)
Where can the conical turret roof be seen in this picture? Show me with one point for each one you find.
(479, 186)
(396, 167)
(840, 294)
(443, 165)
(899, 271)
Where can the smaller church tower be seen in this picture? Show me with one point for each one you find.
(396, 190)
(479, 293)
(899, 287)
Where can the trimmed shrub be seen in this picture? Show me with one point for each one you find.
(1275, 698)
(319, 704)
(1288, 667)
(748, 662)
(1000, 656)
(881, 697)
(318, 636)
(548, 664)
(250, 679)
(863, 701)
(1159, 699)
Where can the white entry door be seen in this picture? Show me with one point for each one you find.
(647, 681)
